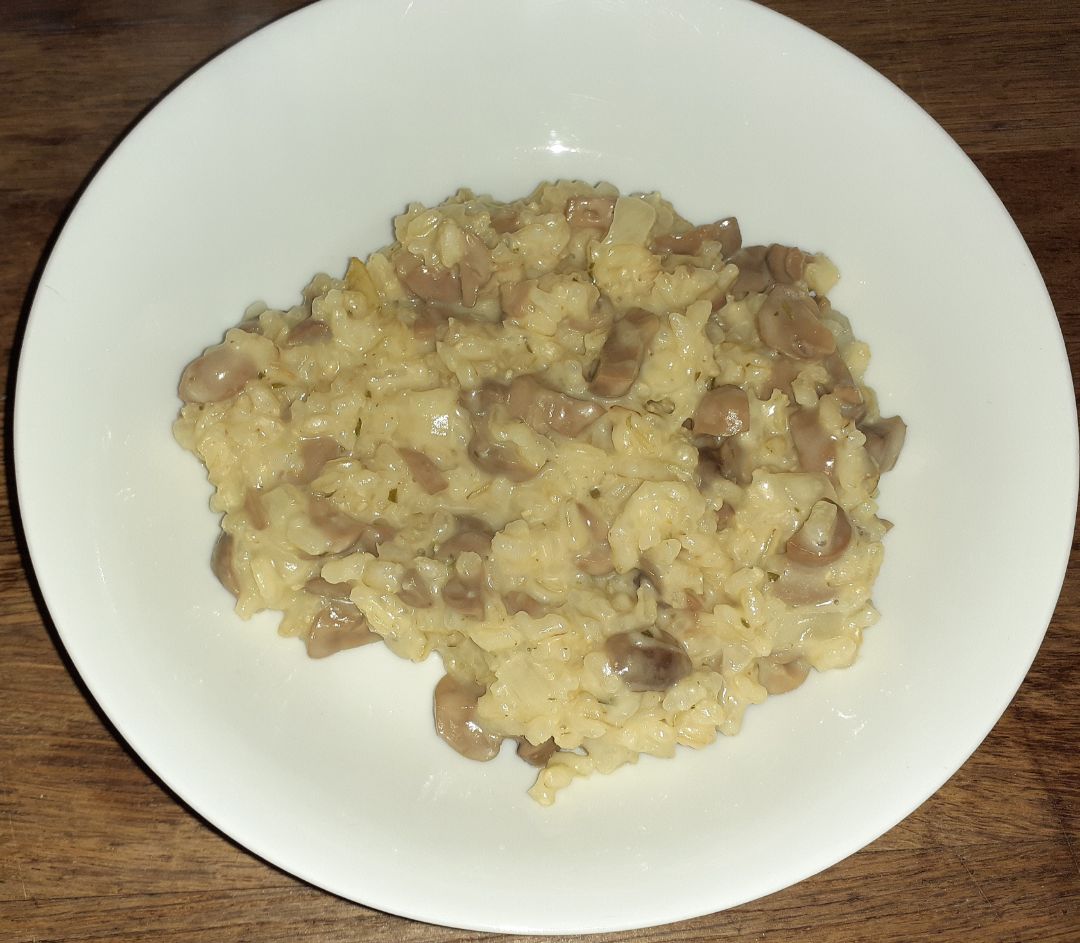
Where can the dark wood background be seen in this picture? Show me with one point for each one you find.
(93, 848)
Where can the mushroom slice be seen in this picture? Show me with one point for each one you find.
(884, 440)
(513, 300)
(414, 591)
(624, 352)
(590, 212)
(424, 471)
(337, 627)
(722, 411)
(754, 274)
(472, 536)
(465, 596)
(729, 459)
(222, 564)
(346, 533)
(255, 509)
(815, 447)
(372, 535)
(647, 662)
(786, 264)
(474, 269)
(505, 219)
(725, 231)
(788, 322)
(307, 332)
(496, 458)
(546, 410)
(318, 586)
(516, 601)
(218, 374)
(340, 529)
(315, 452)
(433, 283)
(425, 328)
(499, 458)
(782, 373)
(455, 719)
(822, 537)
(536, 754)
(481, 403)
(779, 674)
(597, 560)
(844, 388)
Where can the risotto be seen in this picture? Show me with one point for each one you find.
(616, 470)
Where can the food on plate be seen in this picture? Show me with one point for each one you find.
(618, 471)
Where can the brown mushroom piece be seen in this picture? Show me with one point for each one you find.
(722, 411)
(434, 283)
(255, 509)
(779, 674)
(536, 754)
(514, 300)
(623, 353)
(647, 662)
(318, 586)
(504, 220)
(413, 590)
(336, 628)
(481, 403)
(754, 274)
(372, 535)
(815, 447)
(455, 719)
(788, 322)
(597, 560)
(306, 332)
(344, 532)
(218, 374)
(500, 458)
(590, 212)
(729, 459)
(474, 269)
(724, 231)
(315, 452)
(786, 264)
(782, 373)
(465, 596)
(496, 458)
(222, 564)
(884, 440)
(425, 328)
(546, 410)
(822, 537)
(844, 388)
(424, 471)
(472, 536)
(517, 601)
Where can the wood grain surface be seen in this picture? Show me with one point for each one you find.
(92, 847)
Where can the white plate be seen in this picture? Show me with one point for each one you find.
(293, 150)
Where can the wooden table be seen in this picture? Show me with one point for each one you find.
(92, 847)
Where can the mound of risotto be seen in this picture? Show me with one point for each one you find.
(617, 470)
